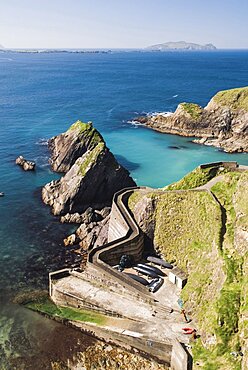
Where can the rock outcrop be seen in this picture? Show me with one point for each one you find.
(93, 229)
(222, 123)
(26, 165)
(67, 147)
(93, 174)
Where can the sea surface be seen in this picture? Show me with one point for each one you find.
(40, 96)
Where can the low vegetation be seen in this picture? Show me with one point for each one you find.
(45, 306)
(206, 236)
(194, 110)
(90, 158)
(187, 232)
(87, 130)
(235, 98)
(196, 178)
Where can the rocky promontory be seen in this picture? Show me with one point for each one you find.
(92, 173)
(222, 123)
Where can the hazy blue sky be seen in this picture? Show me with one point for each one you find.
(122, 23)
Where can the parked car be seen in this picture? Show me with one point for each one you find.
(146, 271)
(159, 261)
(140, 279)
(155, 284)
(152, 268)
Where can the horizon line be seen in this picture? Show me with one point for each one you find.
(115, 48)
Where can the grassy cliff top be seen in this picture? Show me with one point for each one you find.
(235, 98)
(87, 130)
(197, 177)
(194, 110)
(206, 236)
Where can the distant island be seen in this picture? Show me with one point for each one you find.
(180, 45)
(167, 46)
(50, 51)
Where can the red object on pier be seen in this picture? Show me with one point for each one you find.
(188, 330)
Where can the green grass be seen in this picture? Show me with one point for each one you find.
(90, 158)
(197, 177)
(209, 358)
(134, 198)
(194, 110)
(88, 131)
(235, 98)
(46, 306)
(231, 193)
(189, 232)
(228, 305)
(80, 126)
(186, 223)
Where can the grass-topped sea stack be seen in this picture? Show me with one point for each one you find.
(92, 173)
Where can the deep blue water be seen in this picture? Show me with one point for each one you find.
(42, 94)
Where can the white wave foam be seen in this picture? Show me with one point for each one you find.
(135, 123)
(164, 114)
(42, 141)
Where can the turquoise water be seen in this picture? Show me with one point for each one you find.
(40, 96)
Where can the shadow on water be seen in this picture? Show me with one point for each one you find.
(29, 341)
(131, 166)
(31, 248)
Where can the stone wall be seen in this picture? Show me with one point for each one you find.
(125, 237)
(180, 358)
(229, 165)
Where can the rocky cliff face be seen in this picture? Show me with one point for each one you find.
(222, 123)
(207, 237)
(67, 147)
(93, 174)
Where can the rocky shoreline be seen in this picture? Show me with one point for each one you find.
(223, 123)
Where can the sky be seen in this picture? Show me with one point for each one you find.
(122, 23)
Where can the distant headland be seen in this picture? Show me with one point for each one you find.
(180, 45)
(222, 123)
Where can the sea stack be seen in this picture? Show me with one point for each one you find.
(92, 174)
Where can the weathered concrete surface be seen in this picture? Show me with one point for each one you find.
(100, 287)
(139, 319)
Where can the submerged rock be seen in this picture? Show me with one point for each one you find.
(26, 165)
(93, 177)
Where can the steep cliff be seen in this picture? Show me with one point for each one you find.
(93, 174)
(206, 234)
(222, 123)
(67, 147)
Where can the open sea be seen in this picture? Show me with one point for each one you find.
(41, 95)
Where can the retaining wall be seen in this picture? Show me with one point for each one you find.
(230, 165)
